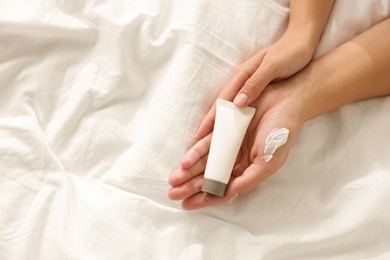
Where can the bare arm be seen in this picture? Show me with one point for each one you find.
(292, 52)
(356, 70)
(309, 18)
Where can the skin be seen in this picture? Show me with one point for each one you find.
(291, 53)
(356, 70)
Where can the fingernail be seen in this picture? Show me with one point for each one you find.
(241, 99)
(230, 201)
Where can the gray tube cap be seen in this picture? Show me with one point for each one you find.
(214, 187)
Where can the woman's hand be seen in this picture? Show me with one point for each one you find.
(316, 90)
(276, 108)
(284, 58)
(292, 52)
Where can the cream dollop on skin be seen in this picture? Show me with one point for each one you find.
(274, 140)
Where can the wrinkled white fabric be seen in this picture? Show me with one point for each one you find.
(99, 100)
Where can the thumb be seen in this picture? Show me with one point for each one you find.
(251, 177)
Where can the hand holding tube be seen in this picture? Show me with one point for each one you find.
(316, 90)
(251, 166)
(291, 53)
(230, 127)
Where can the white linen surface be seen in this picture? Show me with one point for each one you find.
(100, 99)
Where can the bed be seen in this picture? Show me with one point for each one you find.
(100, 99)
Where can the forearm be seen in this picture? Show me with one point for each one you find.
(356, 70)
(308, 18)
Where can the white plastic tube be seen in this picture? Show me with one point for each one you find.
(231, 123)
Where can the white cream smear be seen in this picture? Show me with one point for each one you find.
(274, 140)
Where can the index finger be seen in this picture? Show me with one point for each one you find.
(196, 152)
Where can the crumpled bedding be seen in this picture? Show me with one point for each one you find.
(100, 99)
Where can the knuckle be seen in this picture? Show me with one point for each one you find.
(192, 187)
(204, 147)
(251, 83)
(189, 174)
(198, 152)
(246, 188)
(241, 72)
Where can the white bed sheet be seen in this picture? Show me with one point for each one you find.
(100, 99)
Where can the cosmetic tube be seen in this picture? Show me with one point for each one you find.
(231, 123)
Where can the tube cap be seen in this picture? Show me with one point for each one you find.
(214, 187)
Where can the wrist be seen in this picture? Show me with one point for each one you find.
(309, 18)
(294, 100)
(302, 94)
(304, 35)
(316, 90)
